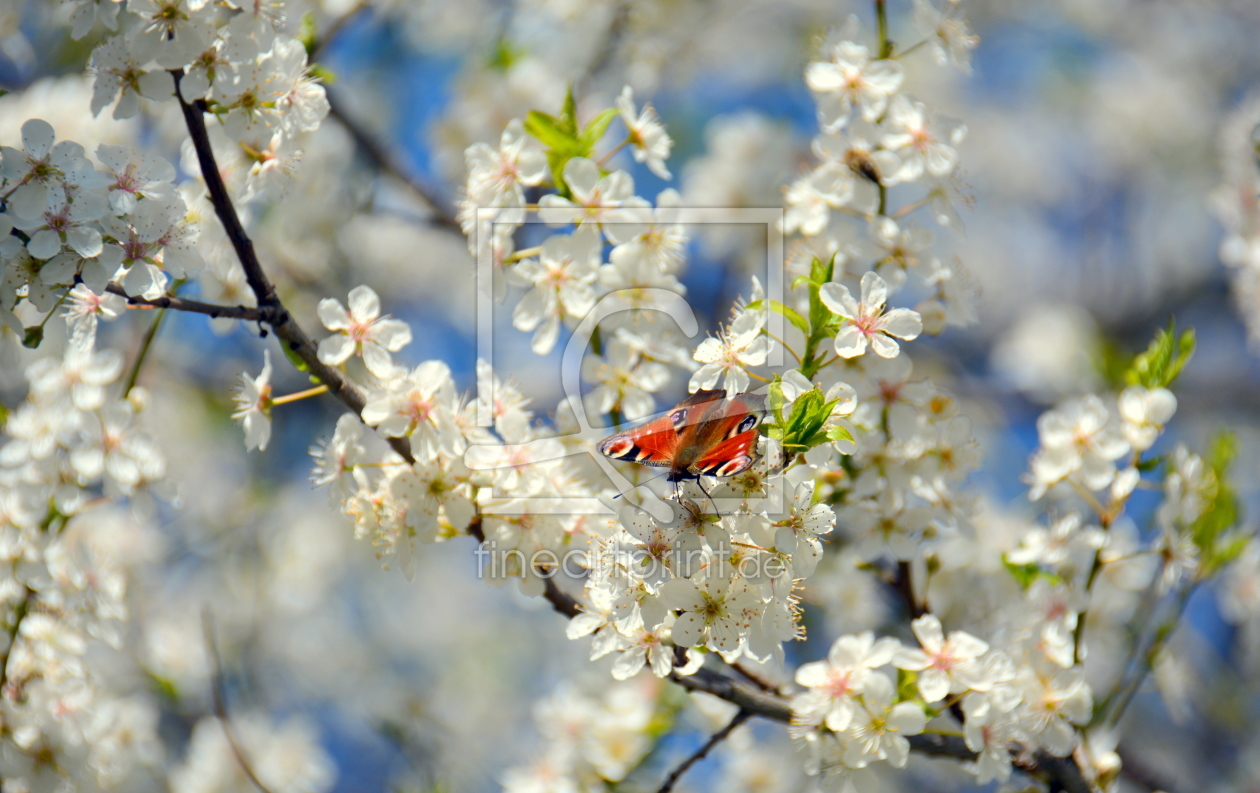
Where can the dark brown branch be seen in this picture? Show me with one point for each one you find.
(562, 602)
(1061, 773)
(757, 680)
(747, 696)
(193, 306)
(906, 588)
(220, 701)
(335, 28)
(276, 315)
(703, 751)
(20, 611)
(385, 161)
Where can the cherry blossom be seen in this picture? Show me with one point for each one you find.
(646, 133)
(867, 320)
(253, 406)
(942, 660)
(850, 77)
(363, 332)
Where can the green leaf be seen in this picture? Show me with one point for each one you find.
(1213, 531)
(806, 427)
(777, 400)
(1163, 359)
(33, 337)
(299, 364)
(907, 685)
(595, 129)
(323, 73)
(1150, 465)
(547, 130)
(821, 273)
(769, 430)
(568, 114)
(798, 322)
(840, 434)
(1025, 574)
(306, 32)
(165, 688)
(504, 55)
(787, 312)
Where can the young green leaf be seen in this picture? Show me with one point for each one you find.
(787, 312)
(594, 130)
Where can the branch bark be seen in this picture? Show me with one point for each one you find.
(703, 751)
(193, 306)
(1062, 774)
(386, 161)
(275, 314)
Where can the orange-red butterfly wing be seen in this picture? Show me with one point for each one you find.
(702, 435)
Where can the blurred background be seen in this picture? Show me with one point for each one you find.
(1093, 153)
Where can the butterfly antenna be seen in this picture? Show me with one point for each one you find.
(640, 484)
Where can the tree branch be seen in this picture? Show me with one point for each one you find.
(275, 314)
(385, 161)
(192, 306)
(703, 751)
(220, 702)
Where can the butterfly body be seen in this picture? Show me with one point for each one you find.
(704, 435)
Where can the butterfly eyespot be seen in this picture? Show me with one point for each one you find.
(617, 448)
(733, 466)
(748, 423)
(678, 416)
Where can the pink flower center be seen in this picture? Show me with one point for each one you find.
(920, 139)
(839, 686)
(867, 324)
(127, 181)
(420, 409)
(359, 331)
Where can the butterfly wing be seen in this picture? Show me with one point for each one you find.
(702, 435)
(659, 441)
(728, 443)
(654, 443)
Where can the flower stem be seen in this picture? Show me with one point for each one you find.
(143, 353)
(885, 44)
(310, 392)
(783, 344)
(523, 253)
(615, 149)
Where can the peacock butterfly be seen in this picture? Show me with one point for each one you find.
(703, 435)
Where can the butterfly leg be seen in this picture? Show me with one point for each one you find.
(700, 484)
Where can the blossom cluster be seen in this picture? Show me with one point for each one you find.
(72, 228)
(882, 470)
(860, 477)
(73, 456)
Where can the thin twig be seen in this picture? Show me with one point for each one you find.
(335, 27)
(20, 611)
(906, 588)
(276, 315)
(1120, 699)
(385, 161)
(220, 701)
(700, 753)
(757, 680)
(191, 306)
(143, 352)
